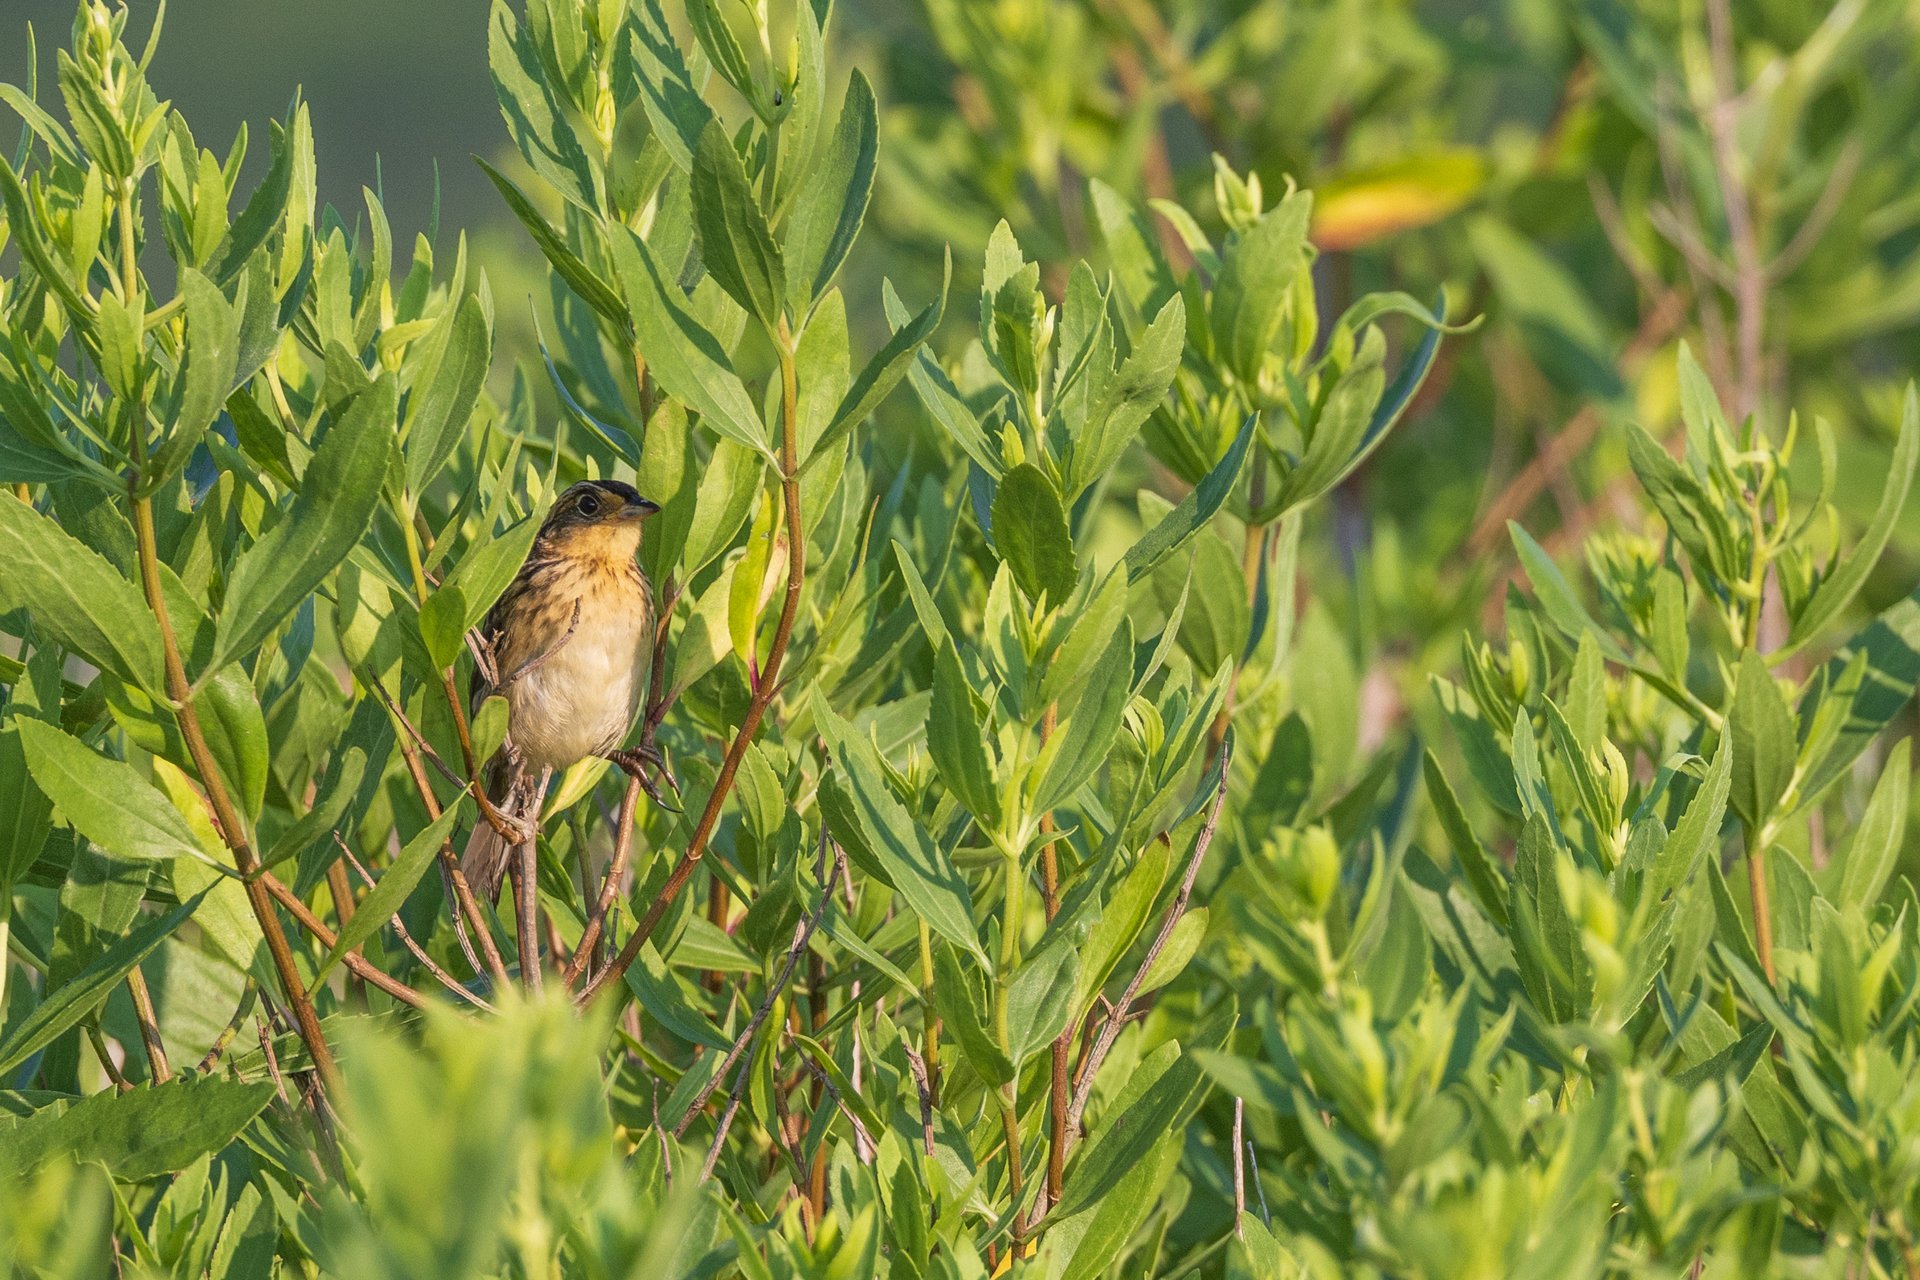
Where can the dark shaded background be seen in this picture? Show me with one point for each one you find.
(393, 87)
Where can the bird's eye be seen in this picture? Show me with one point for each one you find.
(589, 505)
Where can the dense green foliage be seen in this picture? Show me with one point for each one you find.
(1047, 888)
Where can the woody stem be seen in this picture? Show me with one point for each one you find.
(763, 689)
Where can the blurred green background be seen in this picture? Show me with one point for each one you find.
(395, 87)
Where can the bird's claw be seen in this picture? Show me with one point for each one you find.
(637, 764)
(514, 830)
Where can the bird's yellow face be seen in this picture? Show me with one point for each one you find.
(597, 520)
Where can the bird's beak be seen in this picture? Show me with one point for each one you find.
(641, 509)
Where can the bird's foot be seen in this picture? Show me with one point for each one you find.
(640, 763)
(513, 829)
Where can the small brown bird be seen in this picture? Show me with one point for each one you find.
(571, 644)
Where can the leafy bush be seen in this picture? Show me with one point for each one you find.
(1028, 899)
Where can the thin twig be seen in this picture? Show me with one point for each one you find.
(356, 964)
(249, 994)
(918, 1065)
(104, 1052)
(860, 1135)
(447, 771)
(726, 1120)
(158, 1069)
(609, 886)
(1111, 1028)
(427, 962)
(460, 900)
(802, 935)
(273, 1061)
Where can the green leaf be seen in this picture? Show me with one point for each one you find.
(1477, 867)
(953, 992)
(1129, 396)
(833, 198)
(1864, 868)
(1838, 589)
(440, 407)
(881, 374)
(76, 598)
(1030, 534)
(343, 784)
(1697, 837)
(1762, 730)
(462, 600)
(1087, 731)
(390, 892)
(146, 1133)
(684, 358)
(1195, 509)
(1181, 945)
(957, 738)
(212, 357)
(104, 799)
(1557, 597)
(338, 497)
(1256, 283)
(917, 866)
(236, 733)
(736, 245)
(1040, 995)
(582, 279)
(81, 994)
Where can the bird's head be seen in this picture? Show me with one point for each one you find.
(597, 518)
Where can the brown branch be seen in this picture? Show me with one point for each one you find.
(860, 1134)
(763, 689)
(460, 900)
(623, 851)
(1111, 1028)
(609, 886)
(232, 829)
(356, 964)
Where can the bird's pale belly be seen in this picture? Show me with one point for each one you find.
(583, 698)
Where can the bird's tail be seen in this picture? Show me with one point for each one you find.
(484, 862)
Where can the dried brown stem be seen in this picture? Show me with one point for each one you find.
(1110, 1029)
(460, 900)
(232, 829)
(802, 935)
(427, 962)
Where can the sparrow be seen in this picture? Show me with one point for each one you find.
(571, 645)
